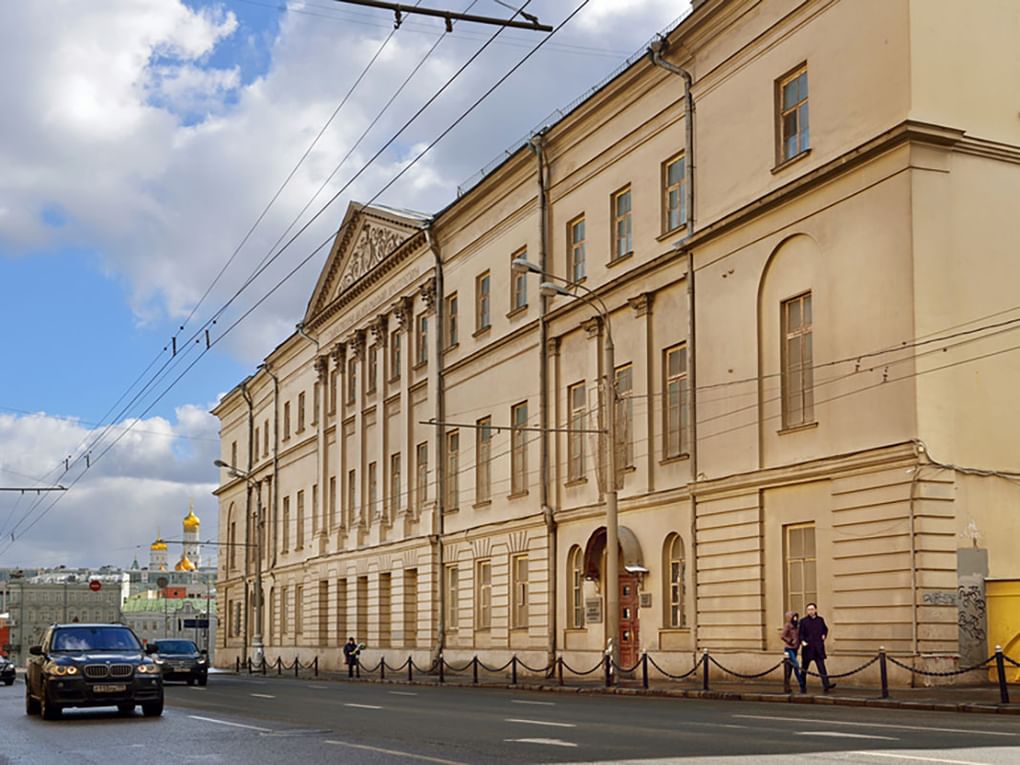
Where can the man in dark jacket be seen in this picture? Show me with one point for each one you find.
(351, 652)
(813, 630)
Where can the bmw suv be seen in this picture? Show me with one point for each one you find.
(91, 665)
(181, 660)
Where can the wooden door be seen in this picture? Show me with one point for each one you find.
(630, 644)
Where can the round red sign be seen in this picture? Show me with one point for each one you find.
(95, 585)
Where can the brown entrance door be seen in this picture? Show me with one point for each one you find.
(629, 642)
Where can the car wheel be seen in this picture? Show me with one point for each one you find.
(191, 681)
(31, 705)
(152, 708)
(203, 680)
(126, 709)
(49, 711)
(9, 682)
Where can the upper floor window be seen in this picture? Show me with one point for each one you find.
(483, 460)
(793, 114)
(265, 437)
(482, 305)
(518, 284)
(370, 509)
(623, 237)
(286, 420)
(421, 475)
(675, 409)
(372, 371)
(233, 454)
(624, 416)
(395, 354)
(576, 403)
(518, 449)
(674, 194)
(575, 249)
(331, 395)
(421, 340)
(451, 320)
(395, 491)
(452, 470)
(797, 360)
(352, 380)
(300, 411)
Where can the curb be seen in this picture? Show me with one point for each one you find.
(681, 693)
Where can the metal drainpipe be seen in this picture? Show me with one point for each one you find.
(538, 147)
(655, 51)
(440, 410)
(247, 503)
(301, 331)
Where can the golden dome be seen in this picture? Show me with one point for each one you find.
(184, 564)
(159, 544)
(191, 520)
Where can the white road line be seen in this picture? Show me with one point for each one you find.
(318, 687)
(403, 693)
(842, 734)
(535, 703)
(540, 722)
(394, 752)
(546, 741)
(231, 724)
(924, 729)
(262, 695)
(363, 706)
(916, 757)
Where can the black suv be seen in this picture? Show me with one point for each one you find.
(6, 671)
(91, 665)
(181, 660)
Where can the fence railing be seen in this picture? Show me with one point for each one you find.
(611, 671)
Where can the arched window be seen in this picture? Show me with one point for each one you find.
(673, 567)
(575, 582)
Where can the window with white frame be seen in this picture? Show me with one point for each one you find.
(452, 470)
(674, 565)
(452, 596)
(576, 265)
(519, 601)
(623, 234)
(797, 362)
(676, 395)
(577, 404)
(518, 448)
(624, 416)
(575, 580)
(518, 284)
(792, 97)
(483, 312)
(483, 460)
(483, 595)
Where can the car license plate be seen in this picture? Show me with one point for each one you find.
(109, 688)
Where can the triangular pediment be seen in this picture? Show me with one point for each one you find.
(366, 239)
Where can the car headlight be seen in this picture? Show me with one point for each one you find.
(61, 670)
(200, 661)
(159, 661)
(147, 669)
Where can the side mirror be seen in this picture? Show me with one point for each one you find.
(36, 650)
(150, 649)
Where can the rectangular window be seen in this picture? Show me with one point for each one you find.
(315, 507)
(394, 498)
(624, 416)
(575, 250)
(801, 583)
(623, 239)
(385, 608)
(286, 524)
(372, 372)
(352, 496)
(410, 607)
(797, 362)
(577, 405)
(483, 595)
(299, 602)
(451, 320)
(483, 460)
(674, 194)
(792, 97)
(286, 420)
(482, 313)
(421, 340)
(256, 440)
(576, 605)
(316, 388)
(233, 454)
(352, 380)
(421, 475)
(331, 409)
(518, 284)
(675, 409)
(341, 609)
(371, 507)
(332, 501)
(452, 599)
(361, 623)
(300, 411)
(519, 602)
(299, 535)
(284, 626)
(395, 354)
(518, 449)
(452, 470)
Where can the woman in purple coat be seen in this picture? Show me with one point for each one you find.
(812, 630)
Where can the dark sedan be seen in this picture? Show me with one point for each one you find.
(6, 671)
(91, 665)
(181, 660)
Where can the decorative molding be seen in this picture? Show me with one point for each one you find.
(402, 310)
(552, 347)
(591, 326)
(482, 548)
(373, 245)
(410, 558)
(322, 367)
(379, 327)
(356, 342)
(338, 353)
(427, 291)
(518, 541)
(642, 304)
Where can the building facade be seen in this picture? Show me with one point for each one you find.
(792, 218)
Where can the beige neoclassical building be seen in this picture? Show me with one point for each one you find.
(797, 216)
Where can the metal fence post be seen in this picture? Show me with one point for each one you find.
(883, 671)
(704, 670)
(608, 661)
(644, 670)
(1000, 667)
(513, 670)
(315, 663)
(441, 663)
(237, 664)
(382, 668)
(474, 670)
(410, 665)
(263, 665)
(279, 665)
(559, 669)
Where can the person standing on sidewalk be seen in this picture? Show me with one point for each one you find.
(813, 631)
(351, 651)
(791, 642)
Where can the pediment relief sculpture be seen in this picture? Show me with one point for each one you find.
(373, 245)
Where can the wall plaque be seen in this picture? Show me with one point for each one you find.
(593, 610)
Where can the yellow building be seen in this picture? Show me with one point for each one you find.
(812, 372)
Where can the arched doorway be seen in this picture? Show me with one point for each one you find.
(632, 569)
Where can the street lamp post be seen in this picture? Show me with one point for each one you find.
(256, 639)
(612, 573)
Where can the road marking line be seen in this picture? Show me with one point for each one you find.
(541, 722)
(535, 703)
(922, 759)
(363, 706)
(318, 687)
(840, 734)
(877, 725)
(262, 695)
(403, 693)
(394, 752)
(231, 724)
(546, 741)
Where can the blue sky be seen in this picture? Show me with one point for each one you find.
(141, 140)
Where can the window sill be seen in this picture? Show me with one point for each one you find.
(420, 365)
(481, 331)
(575, 482)
(797, 428)
(451, 347)
(616, 261)
(481, 504)
(628, 469)
(671, 233)
(791, 161)
(517, 312)
(676, 630)
(394, 379)
(518, 495)
(450, 510)
(678, 458)
(370, 391)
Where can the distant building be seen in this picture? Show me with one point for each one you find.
(153, 617)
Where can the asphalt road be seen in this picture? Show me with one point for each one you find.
(276, 720)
